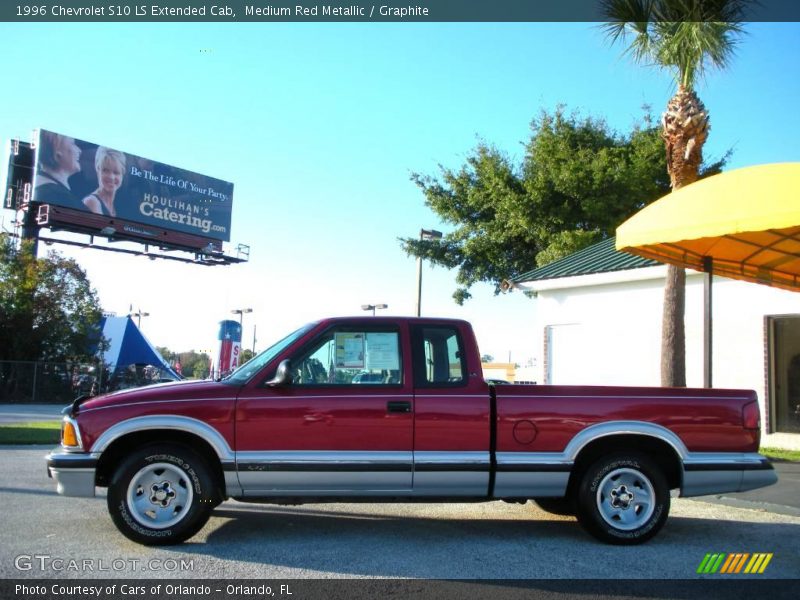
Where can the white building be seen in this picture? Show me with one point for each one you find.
(598, 315)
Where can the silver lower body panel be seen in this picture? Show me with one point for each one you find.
(711, 473)
(74, 473)
(531, 485)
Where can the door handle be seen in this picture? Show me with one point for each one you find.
(398, 406)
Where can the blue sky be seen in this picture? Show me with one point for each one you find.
(319, 126)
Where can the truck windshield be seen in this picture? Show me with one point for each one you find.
(243, 374)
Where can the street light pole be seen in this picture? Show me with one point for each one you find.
(241, 312)
(139, 314)
(418, 305)
(372, 307)
(424, 235)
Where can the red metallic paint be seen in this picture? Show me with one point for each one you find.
(323, 418)
(207, 401)
(448, 420)
(705, 420)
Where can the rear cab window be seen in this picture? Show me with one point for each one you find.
(439, 359)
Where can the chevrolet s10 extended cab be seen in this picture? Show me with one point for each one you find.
(396, 409)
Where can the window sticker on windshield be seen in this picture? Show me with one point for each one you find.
(382, 351)
(350, 350)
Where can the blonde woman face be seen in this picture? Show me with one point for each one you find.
(109, 175)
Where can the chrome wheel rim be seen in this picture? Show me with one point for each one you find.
(626, 499)
(160, 495)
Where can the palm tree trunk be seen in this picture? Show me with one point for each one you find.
(685, 125)
(673, 331)
(685, 129)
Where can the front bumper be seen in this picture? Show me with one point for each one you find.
(74, 473)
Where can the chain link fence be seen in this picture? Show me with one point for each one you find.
(29, 382)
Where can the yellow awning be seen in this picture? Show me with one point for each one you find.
(746, 222)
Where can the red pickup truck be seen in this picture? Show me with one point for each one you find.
(397, 409)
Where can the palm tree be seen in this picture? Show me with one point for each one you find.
(684, 37)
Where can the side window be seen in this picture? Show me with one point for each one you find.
(443, 357)
(350, 358)
(313, 366)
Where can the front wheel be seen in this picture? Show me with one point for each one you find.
(161, 494)
(623, 499)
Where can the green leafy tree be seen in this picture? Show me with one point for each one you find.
(247, 355)
(48, 308)
(684, 37)
(577, 181)
(48, 313)
(194, 364)
(167, 354)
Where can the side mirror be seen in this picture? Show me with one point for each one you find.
(283, 376)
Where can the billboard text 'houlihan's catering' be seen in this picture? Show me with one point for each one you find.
(83, 176)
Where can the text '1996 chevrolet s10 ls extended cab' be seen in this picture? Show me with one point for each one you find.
(396, 409)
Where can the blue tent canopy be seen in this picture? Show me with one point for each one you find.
(128, 346)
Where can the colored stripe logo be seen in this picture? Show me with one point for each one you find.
(735, 563)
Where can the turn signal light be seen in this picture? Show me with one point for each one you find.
(68, 435)
(751, 416)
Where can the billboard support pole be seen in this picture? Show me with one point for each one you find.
(30, 231)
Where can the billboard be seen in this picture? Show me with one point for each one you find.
(20, 175)
(94, 180)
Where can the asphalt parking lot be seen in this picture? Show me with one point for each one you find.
(782, 497)
(47, 536)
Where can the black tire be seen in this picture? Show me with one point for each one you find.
(556, 506)
(162, 494)
(623, 499)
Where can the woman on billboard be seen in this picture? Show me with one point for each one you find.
(58, 160)
(110, 166)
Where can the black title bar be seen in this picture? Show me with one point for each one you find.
(408, 589)
(62, 11)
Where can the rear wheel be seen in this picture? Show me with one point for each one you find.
(161, 494)
(623, 499)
